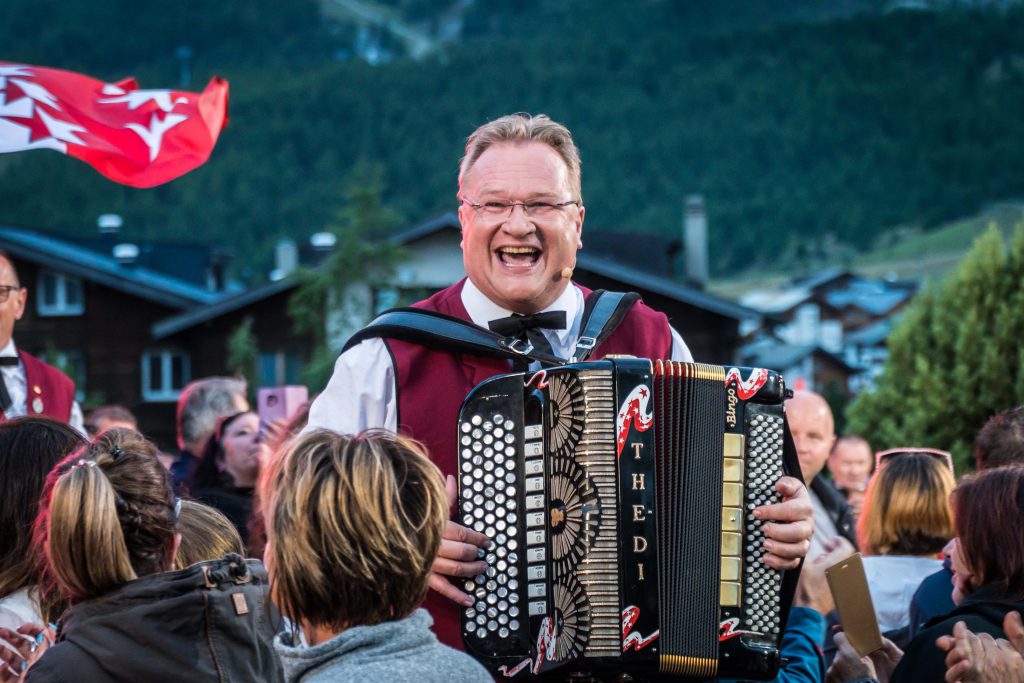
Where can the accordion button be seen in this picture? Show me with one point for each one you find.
(513, 612)
(536, 573)
(538, 609)
(534, 537)
(514, 625)
(536, 590)
(503, 632)
(534, 484)
(536, 555)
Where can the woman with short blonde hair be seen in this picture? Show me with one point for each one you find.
(905, 523)
(353, 526)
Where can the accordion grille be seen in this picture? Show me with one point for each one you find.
(595, 456)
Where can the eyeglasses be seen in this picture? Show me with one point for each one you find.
(5, 291)
(535, 210)
(882, 457)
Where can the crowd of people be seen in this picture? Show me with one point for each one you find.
(122, 563)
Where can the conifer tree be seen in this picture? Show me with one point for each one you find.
(955, 359)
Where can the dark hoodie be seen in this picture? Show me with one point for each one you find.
(983, 612)
(167, 628)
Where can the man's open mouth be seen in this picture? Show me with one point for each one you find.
(518, 256)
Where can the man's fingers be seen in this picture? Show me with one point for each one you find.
(465, 570)
(457, 532)
(795, 506)
(793, 532)
(460, 552)
(1015, 631)
(785, 561)
(448, 590)
(945, 643)
(956, 672)
(451, 487)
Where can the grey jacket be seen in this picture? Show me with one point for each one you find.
(395, 651)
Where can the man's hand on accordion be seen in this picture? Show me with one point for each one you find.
(459, 554)
(791, 526)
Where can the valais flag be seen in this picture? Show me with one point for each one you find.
(137, 137)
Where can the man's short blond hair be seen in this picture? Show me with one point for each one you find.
(353, 526)
(521, 127)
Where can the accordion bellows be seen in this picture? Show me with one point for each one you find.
(619, 495)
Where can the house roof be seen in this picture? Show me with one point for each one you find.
(197, 316)
(768, 353)
(75, 259)
(873, 296)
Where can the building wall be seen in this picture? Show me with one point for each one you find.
(111, 334)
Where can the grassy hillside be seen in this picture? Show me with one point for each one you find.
(808, 138)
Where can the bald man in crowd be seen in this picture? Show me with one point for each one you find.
(813, 429)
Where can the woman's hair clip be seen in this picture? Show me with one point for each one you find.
(83, 462)
(116, 452)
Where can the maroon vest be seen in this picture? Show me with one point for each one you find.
(432, 385)
(48, 391)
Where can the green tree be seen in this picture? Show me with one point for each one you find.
(243, 354)
(361, 257)
(956, 358)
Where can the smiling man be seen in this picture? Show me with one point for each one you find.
(521, 211)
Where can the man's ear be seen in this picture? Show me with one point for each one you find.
(462, 225)
(579, 228)
(19, 308)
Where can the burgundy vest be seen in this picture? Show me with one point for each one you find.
(48, 391)
(432, 385)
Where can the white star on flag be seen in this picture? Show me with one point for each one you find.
(137, 98)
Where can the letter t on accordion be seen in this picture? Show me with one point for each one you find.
(620, 496)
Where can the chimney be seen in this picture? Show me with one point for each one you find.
(695, 240)
(323, 241)
(286, 259)
(126, 253)
(216, 269)
(109, 223)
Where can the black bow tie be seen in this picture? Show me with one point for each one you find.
(516, 325)
(8, 360)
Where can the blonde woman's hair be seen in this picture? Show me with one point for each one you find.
(517, 128)
(907, 507)
(353, 526)
(107, 516)
(206, 534)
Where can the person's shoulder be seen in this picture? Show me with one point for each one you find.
(62, 663)
(460, 666)
(55, 374)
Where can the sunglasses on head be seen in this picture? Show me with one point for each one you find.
(881, 457)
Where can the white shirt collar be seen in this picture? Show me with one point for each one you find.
(482, 310)
(10, 349)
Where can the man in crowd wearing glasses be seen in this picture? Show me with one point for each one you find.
(521, 211)
(28, 386)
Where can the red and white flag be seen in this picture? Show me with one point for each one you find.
(137, 137)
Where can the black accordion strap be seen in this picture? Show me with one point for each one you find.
(602, 313)
(439, 331)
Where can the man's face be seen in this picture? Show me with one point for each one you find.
(12, 309)
(810, 421)
(850, 464)
(517, 261)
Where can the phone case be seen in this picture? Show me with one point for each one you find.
(849, 588)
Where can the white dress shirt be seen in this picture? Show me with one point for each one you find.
(17, 388)
(362, 394)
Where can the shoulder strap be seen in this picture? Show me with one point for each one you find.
(602, 314)
(444, 332)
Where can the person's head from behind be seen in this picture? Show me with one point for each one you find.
(107, 417)
(813, 428)
(521, 210)
(206, 534)
(107, 516)
(233, 454)
(29, 449)
(353, 526)
(202, 404)
(989, 548)
(1001, 440)
(907, 509)
(850, 463)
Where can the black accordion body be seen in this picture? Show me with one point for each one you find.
(620, 494)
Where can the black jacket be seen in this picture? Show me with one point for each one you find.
(983, 612)
(167, 628)
(837, 508)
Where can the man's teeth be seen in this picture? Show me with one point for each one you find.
(518, 250)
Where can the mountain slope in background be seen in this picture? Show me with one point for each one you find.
(803, 129)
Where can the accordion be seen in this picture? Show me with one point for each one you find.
(619, 495)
